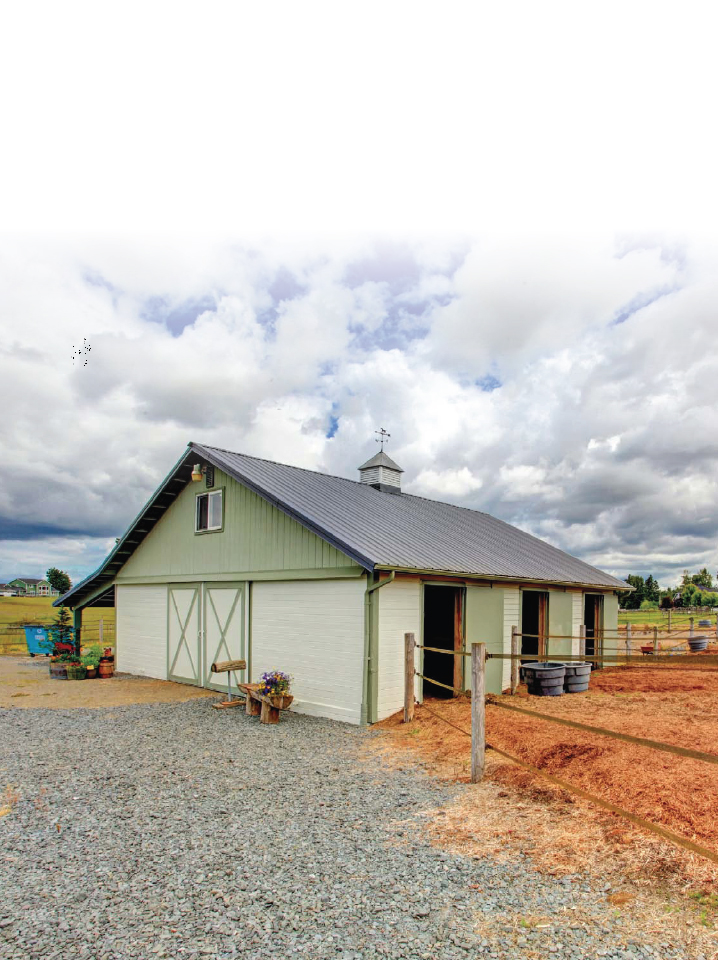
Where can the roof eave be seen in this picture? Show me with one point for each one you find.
(500, 578)
(119, 548)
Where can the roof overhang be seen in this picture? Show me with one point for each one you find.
(83, 593)
(497, 578)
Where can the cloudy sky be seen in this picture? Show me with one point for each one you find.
(275, 231)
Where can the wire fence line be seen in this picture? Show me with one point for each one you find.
(479, 743)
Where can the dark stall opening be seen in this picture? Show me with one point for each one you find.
(593, 620)
(443, 628)
(534, 625)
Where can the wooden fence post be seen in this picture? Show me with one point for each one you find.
(409, 645)
(514, 661)
(478, 710)
(670, 619)
(655, 639)
(691, 629)
(582, 640)
(628, 639)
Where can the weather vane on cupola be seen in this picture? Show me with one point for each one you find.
(382, 437)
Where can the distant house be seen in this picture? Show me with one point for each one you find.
(33, 587)
(319, 576)
(6, 590)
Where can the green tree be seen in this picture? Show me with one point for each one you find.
(690, 595)
(703, 579)
(61, 627)
(59, 580)
(633, 600)
(651, 590)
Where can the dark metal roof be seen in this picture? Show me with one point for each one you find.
(376, 529)
(405, 532)
(381, 460)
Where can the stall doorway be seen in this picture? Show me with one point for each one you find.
(444, 629)
(534, 622)
(593, 619)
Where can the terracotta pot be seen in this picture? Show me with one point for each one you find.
(106, 669)
(58, 671)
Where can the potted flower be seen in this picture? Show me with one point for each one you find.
(90, 659)
(75, 669)
(275, 685)
(58, 666)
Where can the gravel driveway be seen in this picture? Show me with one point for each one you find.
(174, 830)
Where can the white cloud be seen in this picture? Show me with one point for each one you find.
(529, 403)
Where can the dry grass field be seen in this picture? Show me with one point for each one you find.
(15, 612)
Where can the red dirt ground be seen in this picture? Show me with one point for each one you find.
(677, 705)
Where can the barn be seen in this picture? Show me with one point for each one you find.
(235, 557)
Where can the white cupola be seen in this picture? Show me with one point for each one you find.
(382, 473)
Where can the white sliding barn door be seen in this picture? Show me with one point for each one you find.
(224, 611)
(183, 634)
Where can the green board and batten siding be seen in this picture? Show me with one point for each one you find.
(256, 537)
(484, 624)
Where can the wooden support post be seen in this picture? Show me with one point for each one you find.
(478, 710)
(409, 646)
(102, 631)
(77, 626)
(582, 640)
(458, 643)
(515, 661)
(655, 639)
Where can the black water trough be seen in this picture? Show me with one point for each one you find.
(544, 679)
(577, 677)
(697, 644)
(704, 623)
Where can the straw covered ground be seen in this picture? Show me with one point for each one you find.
(518, 809)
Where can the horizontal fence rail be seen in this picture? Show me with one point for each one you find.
(615, 734)
(644, 658)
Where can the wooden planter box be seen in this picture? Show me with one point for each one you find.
(265, 707)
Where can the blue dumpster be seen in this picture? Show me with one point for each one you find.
(37, 640)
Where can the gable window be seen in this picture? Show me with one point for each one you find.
(209, 511)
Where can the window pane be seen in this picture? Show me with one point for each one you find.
(202, 512)
(215, 510)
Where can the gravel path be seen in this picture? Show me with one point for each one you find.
(161, 831)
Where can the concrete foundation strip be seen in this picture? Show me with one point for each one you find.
(585, 795)
(641, 741)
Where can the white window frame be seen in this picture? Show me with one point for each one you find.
(209, 494)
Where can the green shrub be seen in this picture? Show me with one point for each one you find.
(649, 604)
(91, 656)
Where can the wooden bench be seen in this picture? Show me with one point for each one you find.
(265, 707)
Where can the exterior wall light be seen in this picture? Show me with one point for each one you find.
(198, 472)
